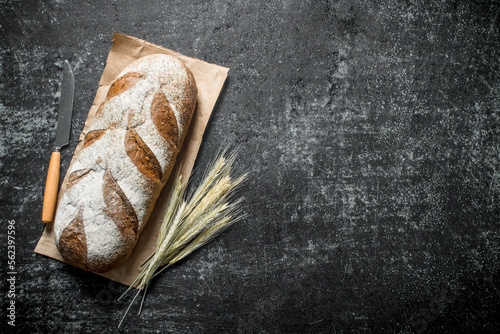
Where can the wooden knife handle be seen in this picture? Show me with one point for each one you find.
(51, 187)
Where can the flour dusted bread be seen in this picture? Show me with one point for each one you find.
(126, 158)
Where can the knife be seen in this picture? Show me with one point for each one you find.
(62, 139)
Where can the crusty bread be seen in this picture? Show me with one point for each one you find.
(126, 158)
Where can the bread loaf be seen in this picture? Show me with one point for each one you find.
(127, 155)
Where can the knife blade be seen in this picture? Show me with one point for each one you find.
(62, 139)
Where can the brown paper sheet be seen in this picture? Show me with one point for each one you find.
(210, 80)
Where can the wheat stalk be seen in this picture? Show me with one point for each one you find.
(192, 221)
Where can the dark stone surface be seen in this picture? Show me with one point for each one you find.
(371, 131)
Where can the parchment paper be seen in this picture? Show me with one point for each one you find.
(209, 79)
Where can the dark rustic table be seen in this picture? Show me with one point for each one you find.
(371, 132)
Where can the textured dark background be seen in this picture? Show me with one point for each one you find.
(371, 131)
